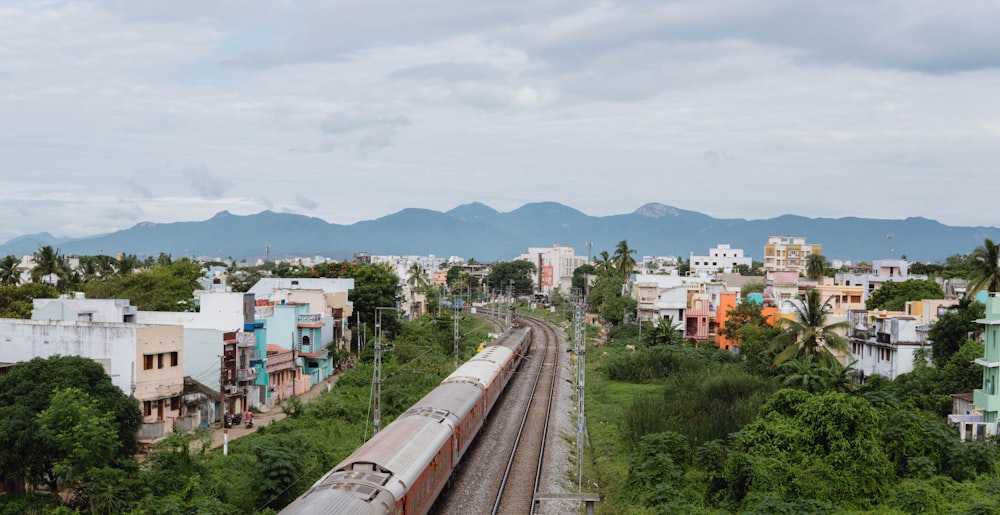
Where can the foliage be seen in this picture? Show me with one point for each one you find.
(507, 274)
(893, 295)
(816, 265)
(50, 264)
(663, 333)
(751, 287)
(606, 298)
(808, 334)
(803, 447)
(164, 287)
(624, 259)
(17, 301)
(375, 286)
(242, 279)
(9, 274)
(705, 402)
(984, 268)
(953, 328)
(82, 436)
(814, 376)
(33, 446)
(657, 467)
(580, 274)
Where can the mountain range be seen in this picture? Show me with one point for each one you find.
(478, 231)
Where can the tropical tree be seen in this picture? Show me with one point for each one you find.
(893, 295)
(815, 266)
(9, 274)
(50, 262)
(624, 259)
(603, 263)
(808, 334)
(984, 268)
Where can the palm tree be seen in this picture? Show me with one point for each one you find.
(815, 266)
(809, 334)
(985, 269)
(9, 274)
(416, 278)
(603, 263)
(624, 259)
(49, 262)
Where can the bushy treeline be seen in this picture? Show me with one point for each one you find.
(720, 435)
(263, 471)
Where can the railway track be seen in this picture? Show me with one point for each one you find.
(484, 472)
(522, 475)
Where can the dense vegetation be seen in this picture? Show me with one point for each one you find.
(678, 429)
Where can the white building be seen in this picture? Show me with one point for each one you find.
(883, 344)
(883, 271)
(145, 361)
(658, 264)
(554, 267)
(721, 258)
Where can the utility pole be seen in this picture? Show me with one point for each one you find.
(377, 372)
(580, 344)
(454, 306)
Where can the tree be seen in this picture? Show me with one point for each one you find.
(952, 330)
(624, 259)
(603, 263)
(663, 333)
(808, 334)
(815, 266)
(9, 274)
(606, 298)
(580, 274)
(18, 301)
(161, 288)
(751, 287)
(893, 295)
(27, 448)
(82, 435)
(49, 263)
(518, 273)
(984, 268)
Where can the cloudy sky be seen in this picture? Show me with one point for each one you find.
(123, 111)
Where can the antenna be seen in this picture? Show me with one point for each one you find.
(267, 251)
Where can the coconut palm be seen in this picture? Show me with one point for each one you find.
(9, 274)
(985, 269)
(624, 259)
(603, 263)
(809, 334)
(50, 266)
(815, 266)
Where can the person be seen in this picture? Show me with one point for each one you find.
(249, 416)
(328, 385)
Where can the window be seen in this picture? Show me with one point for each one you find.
(147, 362)
(175, 403)
(173, 359)
(147, 408)
(159, 361)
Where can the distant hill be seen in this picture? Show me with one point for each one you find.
(478, 231)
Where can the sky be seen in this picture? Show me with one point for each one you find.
(118, 112)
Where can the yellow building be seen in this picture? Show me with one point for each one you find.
(788, 253)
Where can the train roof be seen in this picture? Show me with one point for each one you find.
(402, 450)
(454, 400)
(483, 368)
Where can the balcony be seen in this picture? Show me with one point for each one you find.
(985, 401)
(311, 320)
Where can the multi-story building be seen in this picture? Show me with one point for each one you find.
(145, 361)
(882, 271)
(788, 253)
(721, 258)
(985, 422)
(657, 264)
(884, 344)
(554, 267)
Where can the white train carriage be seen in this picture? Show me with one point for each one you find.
(465, 401)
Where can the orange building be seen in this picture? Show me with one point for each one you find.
(727, 301)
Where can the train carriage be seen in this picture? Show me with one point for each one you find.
(401, 470)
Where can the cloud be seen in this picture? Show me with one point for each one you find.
(138, 189)
(306, 203)
(205, 184)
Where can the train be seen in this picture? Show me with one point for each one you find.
(403, 468)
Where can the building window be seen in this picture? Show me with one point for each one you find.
(175, 403)
(147, 362)
(173, 359)
(159, 361)
(147, 408)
